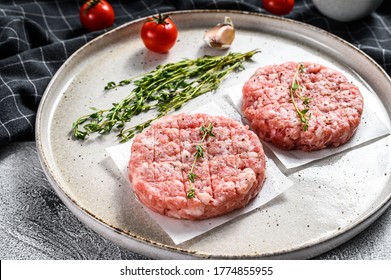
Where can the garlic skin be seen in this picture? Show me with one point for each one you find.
(221, 36)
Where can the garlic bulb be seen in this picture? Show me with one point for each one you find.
(221, 36)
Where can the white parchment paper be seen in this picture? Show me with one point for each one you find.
(183, 230)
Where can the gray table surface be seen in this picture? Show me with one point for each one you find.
(35, 224)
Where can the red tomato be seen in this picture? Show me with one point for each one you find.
(159, 34)
(278, 7)
(96, 15)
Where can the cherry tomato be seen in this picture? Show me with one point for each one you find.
(96, 15)
(159, 34)
(278, 7)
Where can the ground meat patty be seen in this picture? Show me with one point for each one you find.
(336, 106)
(229, 175)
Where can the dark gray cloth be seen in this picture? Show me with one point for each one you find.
(36, 37)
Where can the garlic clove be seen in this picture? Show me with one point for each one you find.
(221, 36)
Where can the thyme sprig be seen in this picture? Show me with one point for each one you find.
(205, 132)
(296, 90)
(165, 89)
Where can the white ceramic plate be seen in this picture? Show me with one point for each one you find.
(332, 200)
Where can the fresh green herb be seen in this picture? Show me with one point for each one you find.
(199, 151)
(163, 90)
(192, 177)
(296, 90)
(205, 132)
(190, 193)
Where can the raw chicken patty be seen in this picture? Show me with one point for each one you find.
(230, 174)
(335, 106)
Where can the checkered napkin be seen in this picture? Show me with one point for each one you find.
(37, 36)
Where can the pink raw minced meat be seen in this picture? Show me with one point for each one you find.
(229, 176)
(336, 106)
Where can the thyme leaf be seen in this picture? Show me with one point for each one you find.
(192, 176)
(296, 91)
(162, 90)
(190, 193)
(205, 132)
(199, 151)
